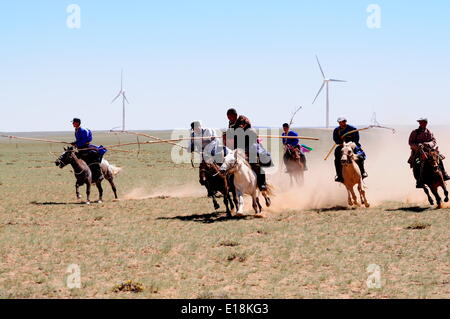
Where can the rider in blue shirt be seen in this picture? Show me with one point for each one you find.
(88, 152)
(293, 142)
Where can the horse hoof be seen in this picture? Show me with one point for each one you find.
(88, 203)
(100, 201)
(239, 215)
(367, 205)
(446, 200)
(216, 206)
(268, 202)
(259, 215)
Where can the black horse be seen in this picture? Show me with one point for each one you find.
(431, 174)
(83, 173)
(214, 181)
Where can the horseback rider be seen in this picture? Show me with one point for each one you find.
(88, 152)
(339, 139)
(236, 121)
(423, 137)
(204, 142)
(293, 143)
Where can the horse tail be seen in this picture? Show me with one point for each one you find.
(270, 189)
(115, 169)
(112, 168)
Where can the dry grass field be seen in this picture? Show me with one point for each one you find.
(165, 234)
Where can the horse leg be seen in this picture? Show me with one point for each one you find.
(240, 210)
(430, 200)
(445, 192)
(100, 191)
(266, 198)
(255, 205)
(258, 203)
(226, 201)
(349, 196)
(88, 192)
(216, 204)
(235, 201)
(355, 199)
(362, 194)
(436, 195)
(113, 186)
(77, 190)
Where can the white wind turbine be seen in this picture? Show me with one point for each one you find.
(326, 82)
(124, 98)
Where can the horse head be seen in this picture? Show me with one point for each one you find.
(231, 162)
(65, 158)
(348, 156)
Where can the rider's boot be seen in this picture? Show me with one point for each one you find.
(261, 181)
(444, 173)
(417, 176)
(362, 169)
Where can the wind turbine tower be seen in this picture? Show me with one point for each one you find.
(124, 98)
(326, 82)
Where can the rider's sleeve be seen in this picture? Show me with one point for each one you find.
(336, 137)
(412, 139)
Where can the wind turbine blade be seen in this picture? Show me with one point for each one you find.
(116, 97)
(334, 80)
(320, 90)
(125, 98)
(121, 80)
(320, 67)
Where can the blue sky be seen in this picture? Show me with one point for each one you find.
(191, 60)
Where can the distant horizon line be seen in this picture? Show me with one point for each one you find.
(172, 129)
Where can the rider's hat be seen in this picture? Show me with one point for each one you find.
(341, 119)
(196, 124)
(76, 120)
(422, 119)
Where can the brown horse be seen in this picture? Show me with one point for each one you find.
(294, 166)
(83, 173)
(352, 175)
(431, 175)
(215, 182)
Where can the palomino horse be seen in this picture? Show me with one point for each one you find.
(294, 166)
(214, 182)
(83, 173)
(352, 175)
(431, 175)
(244, 181)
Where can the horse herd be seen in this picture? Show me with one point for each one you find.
(235, 178)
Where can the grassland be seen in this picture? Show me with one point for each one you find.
(179, 247)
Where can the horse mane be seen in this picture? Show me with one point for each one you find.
(241, 155)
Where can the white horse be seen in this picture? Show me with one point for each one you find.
(352, 175)
(244, 181)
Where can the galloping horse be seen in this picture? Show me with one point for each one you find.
(244, 181)
(214, 182)
(352, 175)
(294, 166)
(431, 175)
(83, 173)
